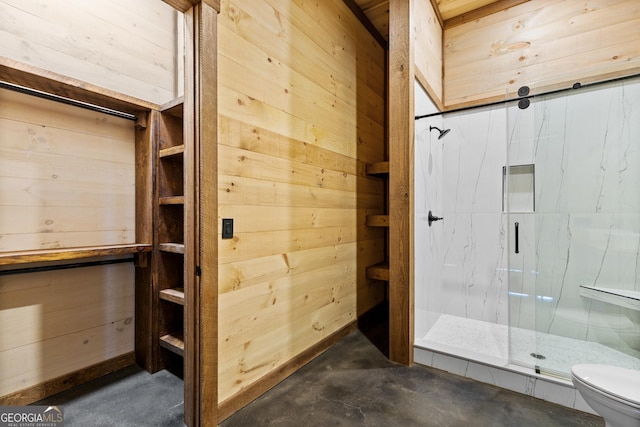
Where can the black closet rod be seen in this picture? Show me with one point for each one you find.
(64, 266)
(68, 101)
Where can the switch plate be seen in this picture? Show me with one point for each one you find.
(227, 228)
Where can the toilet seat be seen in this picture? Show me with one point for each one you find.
(619, 383)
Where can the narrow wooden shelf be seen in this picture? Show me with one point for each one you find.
(173, 342)
(175, 295)
(176, 248)
(378, 220)
(22, 257)
(174, 107)
(378, 271)
(172, 151)
(377, 168)
(172, 200)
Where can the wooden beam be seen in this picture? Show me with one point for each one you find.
(185, 5)
(32, 77)
(366, 22)
(145, 301)
(401, 134)
(487, 10)
(207, 231)
(201, 217)
(436, 9)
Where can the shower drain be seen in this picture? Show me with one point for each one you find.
(538, 356)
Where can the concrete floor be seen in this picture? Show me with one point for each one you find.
(352, 384)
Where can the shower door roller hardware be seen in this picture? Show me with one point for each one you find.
(517, 232)
(432, 218)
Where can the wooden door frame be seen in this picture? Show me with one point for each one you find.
(201, 211)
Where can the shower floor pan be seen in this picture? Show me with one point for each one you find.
(480, 350)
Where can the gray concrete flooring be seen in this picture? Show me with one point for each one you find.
(352, 384)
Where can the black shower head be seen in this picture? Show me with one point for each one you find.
(443, 132)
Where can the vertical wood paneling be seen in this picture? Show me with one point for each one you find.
(544, 44)
(428, 49)
(129, 47)
(301, 107)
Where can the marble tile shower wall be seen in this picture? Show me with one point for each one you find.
(586, 230)
(461, 261)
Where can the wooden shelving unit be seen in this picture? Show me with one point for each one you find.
(169, 265)
(378, 220)
(175, 295)
(378, 271)
(378, 168)
(173, 342)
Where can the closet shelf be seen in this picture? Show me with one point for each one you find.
(172, 151)
(175, 295)
(378, 271)
(378, 168)
(174, 108)
(21, 257)
(173, 342)
(176, 248)
(172, 200)
(378, 220)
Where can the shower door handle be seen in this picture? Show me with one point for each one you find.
(517, 232)
(431, 218)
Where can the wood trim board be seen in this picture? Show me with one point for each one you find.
(237, 402)
(65, 382)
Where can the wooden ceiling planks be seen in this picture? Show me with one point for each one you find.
(377, 11)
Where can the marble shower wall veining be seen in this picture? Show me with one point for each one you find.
(586, 229)
(585, 147)
(460, 261)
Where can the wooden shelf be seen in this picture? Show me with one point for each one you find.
(378, 220)
(175, 295)
(172, 151)
(172, 200)
(22, 257)
(378, 271)
(378, 168)
(173, 342)
(174, 107)
(175, 248)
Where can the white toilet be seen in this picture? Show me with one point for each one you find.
(612, 392)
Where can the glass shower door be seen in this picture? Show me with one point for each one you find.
(574, 274)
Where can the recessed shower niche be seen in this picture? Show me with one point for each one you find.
(519, 194)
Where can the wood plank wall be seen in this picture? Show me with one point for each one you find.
(301, 111)
(66, 320)
(127, 46)
(428, 49)
(55, 323)
(547, 44)
(66, 180)
(60, 167)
